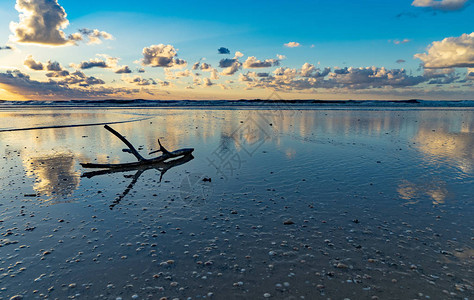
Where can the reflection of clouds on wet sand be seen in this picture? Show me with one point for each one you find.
(458, 147)
(413, 193)
(54, 174)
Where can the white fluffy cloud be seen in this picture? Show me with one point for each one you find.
(161, 56)
(440, 4)
(451, 52)
(292, 44)
(43, 21)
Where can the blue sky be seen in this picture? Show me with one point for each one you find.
(341, 49)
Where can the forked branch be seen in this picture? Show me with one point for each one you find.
(129, 145)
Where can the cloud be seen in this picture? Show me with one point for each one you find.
(104, 62)
(42, 22)
(400, 61)
(96, 63)
(470, 74)
(141, 70)
(281, 57)
(309, 70)
(231, 65)
(446, 5)
(238, 54)
(32, 64)
(138, 80)
(6, 48)
(441, 76)
(123, 70)
(161, 56)
(227, 62)
(292, 45)
(223, 50)
(404, 41)
(206, 67)
(95, 35)
(214, 74)
(451, 52)
(185, 73)
(207, 82)
(253, 63)
(20, 83)
(308, 77)
(61, 73)
(53, 66)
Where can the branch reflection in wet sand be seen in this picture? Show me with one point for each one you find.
(162, 167)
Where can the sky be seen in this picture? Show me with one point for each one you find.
(301, 49)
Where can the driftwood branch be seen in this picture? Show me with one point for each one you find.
(162, 149)
(129, 145)
(141, 160)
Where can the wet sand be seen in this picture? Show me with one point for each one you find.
(302, 204)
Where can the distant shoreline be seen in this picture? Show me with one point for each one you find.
(280, 104)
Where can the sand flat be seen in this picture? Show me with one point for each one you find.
(315, 203)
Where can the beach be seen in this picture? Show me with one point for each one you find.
(276, 202)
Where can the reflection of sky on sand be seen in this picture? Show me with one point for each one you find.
(456, 146)
(437, 135)
(55, 175)
(413, 193)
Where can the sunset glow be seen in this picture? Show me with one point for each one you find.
(61, 49)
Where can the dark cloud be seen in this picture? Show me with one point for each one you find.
(61, 73)
(137, 80)
(53, 66)
(253, 63)
(93, 64)
(231, 66)
(20, 83)
(123, 70)
(441, 76)
(400, 61)
(32, 64)
(227, 62)
(223, 50)
(6, 48)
